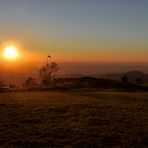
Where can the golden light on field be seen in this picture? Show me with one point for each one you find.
(10, 52)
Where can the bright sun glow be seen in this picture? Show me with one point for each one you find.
(10, 52)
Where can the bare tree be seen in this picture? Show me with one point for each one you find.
(46, 72)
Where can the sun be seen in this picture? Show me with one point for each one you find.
(10, 52)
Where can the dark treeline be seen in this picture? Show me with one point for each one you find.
(88, 83)
(94, 83)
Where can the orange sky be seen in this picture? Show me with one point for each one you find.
(79, 31)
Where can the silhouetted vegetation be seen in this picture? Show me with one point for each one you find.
(139, 81)
(30, 83)
(46, 72)
(124, 79)
(91, 83)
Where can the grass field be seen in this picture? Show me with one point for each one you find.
(73, 119)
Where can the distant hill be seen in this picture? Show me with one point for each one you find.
(69, 75)
(135, 74)
(132, 75)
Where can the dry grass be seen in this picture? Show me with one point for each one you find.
(73, 119)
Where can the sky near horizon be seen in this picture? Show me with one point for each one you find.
(78, 30)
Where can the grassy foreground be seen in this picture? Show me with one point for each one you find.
(73, 119)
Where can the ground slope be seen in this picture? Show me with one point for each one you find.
(73, 119)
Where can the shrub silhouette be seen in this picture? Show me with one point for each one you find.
(124, 79)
